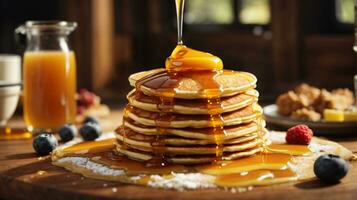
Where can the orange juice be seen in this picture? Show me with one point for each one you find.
(49, 88)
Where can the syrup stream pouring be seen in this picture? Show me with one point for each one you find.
(180, 4)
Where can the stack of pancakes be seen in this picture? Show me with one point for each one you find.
(184, 128)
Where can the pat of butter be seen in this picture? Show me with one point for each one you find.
(350, 115)
(333, 115)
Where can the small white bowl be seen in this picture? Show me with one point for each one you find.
(9, 98)
(10, 68)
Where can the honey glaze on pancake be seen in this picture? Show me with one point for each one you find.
(186, 63)
(260, 123)
(260, 169)
(193, 106)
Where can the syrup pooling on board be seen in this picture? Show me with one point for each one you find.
(296, 150)
(260, 169)
(257, 177)
(101, 152)
(268, 161)
(133, 167)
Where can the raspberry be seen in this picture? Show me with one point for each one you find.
(81, 110)
(299, 134)
(85, 98)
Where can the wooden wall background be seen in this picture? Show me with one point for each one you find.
(115, 38)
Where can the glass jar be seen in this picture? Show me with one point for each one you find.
(49, 74)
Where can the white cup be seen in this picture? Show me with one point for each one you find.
(9, 98)
(10, 68)
(10, 85)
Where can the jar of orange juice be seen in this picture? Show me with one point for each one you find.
(49, 75)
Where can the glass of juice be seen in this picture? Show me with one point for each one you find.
(49, 75)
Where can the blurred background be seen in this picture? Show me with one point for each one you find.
(283, 42)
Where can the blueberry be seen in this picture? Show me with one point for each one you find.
(44, 143)
(90, 131)
(330, 168)
(68, 132)
(91, 119)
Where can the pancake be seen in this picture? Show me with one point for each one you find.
(130, 136)
(195, 150)
(192, 133)
(199, 106)
(241, 116)
(188, 159)
(191, 117)
(139, 147)
(230, 83)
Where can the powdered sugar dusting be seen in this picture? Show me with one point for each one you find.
(182, 181)
(316, 147)
(92, 166)
(276, 138)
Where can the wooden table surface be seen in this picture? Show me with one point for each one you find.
(25, 176)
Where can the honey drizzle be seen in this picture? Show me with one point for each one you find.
(164, 84)
(214, 107)
(165, 107)
(180, 4)
(164, 99)
(259, 121)
(216, 120)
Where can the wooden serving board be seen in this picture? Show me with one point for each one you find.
(25, 176)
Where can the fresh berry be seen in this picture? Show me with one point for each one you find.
(44, 143)
(90, 131)
(85, 98)
(68, 132)
(91, 119)
(330, 168)
(81, 110)
(300, 134)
